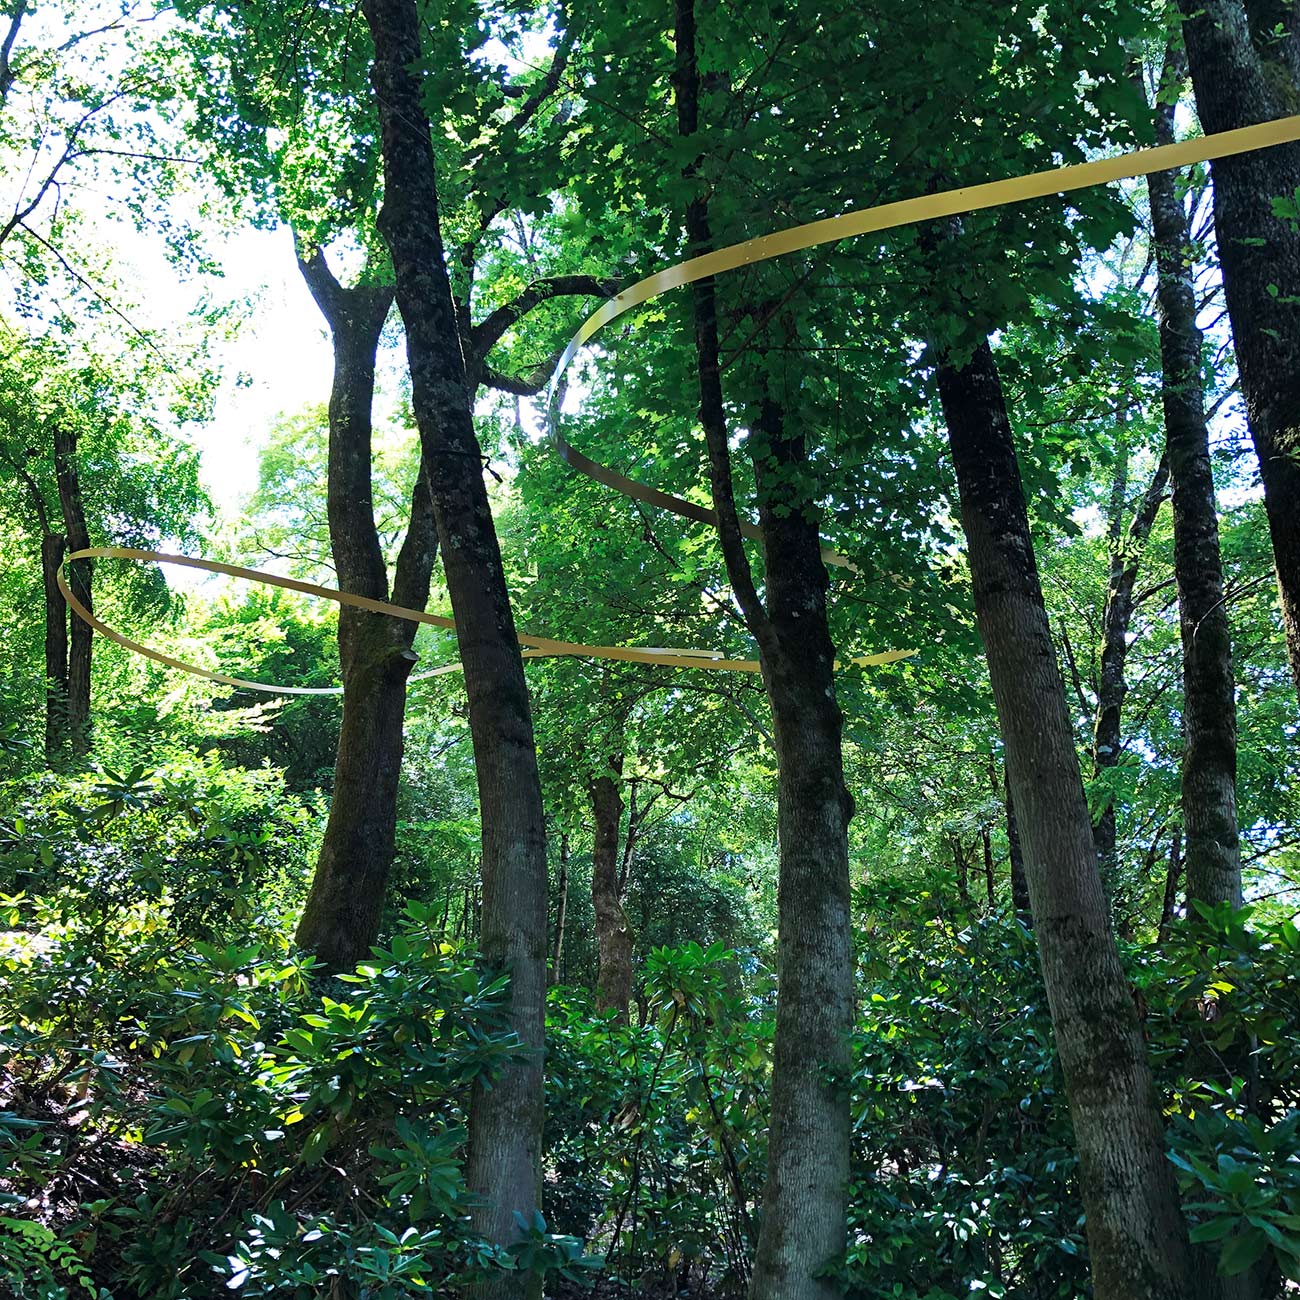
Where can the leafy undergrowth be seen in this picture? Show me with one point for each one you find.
(189, 1109)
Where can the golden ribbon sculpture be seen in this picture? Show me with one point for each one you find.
(887, 216)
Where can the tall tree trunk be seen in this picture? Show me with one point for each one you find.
(804, 1199)
(1136, 1236)
(1107, 735)
(1127, 546)
(613, 930)
(986, 839)
(504, 1164)
(340, 921)
(1209, 773)
(341, 918)
(961, 865)
(1211, 856)
(80, 580)
(53, 548)
(1237, 83)
(805, 1196)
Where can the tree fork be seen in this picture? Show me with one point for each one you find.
(505, 1122)
(340, 921)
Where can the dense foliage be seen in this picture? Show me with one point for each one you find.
(194, 1102)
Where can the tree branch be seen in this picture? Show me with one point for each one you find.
(7, 74)
(530, 385)
(686, 85)
(38, 498)
(488, 332)
(321, 281)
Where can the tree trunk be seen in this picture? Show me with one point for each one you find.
(1107, 732)
(805, 1196)
(1209, 773)
(804, 1200)
(1136, 1236)
(613, 930)
(1125, 557)
(961, 865)
(561, 909)
(1236, 85)
(504, 1163)
(634, 818)
(341, 919)
(986, 839)
(53, 548)
(80, 580)
(1173, 874)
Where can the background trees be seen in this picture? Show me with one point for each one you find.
(905, 982)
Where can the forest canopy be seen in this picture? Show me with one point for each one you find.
(789, 789)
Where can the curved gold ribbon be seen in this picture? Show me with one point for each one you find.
(537, 647)
(887, 216)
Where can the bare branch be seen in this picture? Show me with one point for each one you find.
(99, 295)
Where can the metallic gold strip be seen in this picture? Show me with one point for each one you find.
(1016, 189)
(887, 216)
(538, 647)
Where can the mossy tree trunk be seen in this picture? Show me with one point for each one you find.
(803, 1227)
(505, 1122)
(1137, 1240)
(1209, 771)
(341, 919)
(1243, 74)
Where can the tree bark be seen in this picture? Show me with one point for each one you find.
(341, 919)
(80, 580)
(503, 1167)
(1136, 1235)
(53, 548)
(804, 1199)
(1107, 736)
(1019, 881)
(613, 930)
(1125, 557)
(1209, 772)
(986, 840)
(1238, 83)
(805, 1196)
